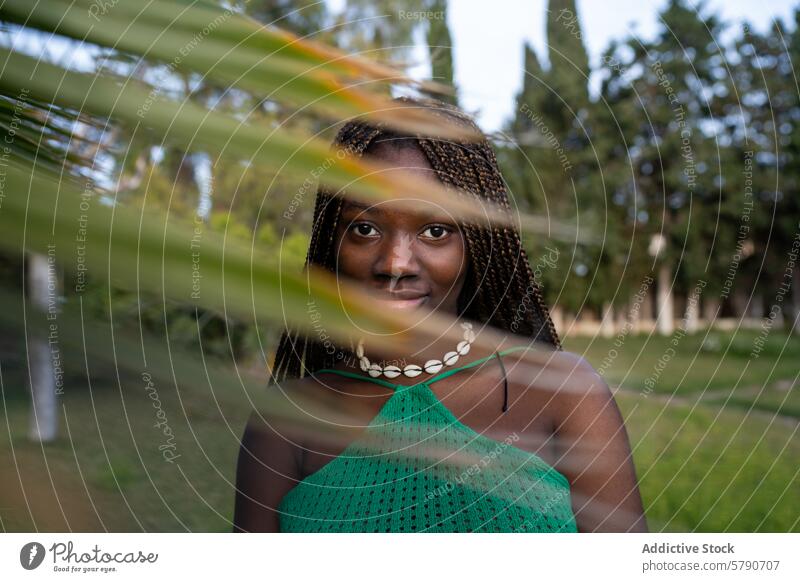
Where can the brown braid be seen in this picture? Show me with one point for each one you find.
(499, 274)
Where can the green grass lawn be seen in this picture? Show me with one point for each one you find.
(776, 398)
(715, 437)
(712, 469)
(708, 360)
(108, 466)
(721, 462)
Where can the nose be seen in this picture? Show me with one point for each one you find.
(396, 259)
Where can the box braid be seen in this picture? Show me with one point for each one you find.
(499, 277)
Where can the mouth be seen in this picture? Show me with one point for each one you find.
(402, 301)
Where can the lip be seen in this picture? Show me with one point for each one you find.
(402, 299)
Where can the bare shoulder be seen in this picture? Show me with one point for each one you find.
(270, 456)
(548, 362)
(282, 406)
(560, 377)
(275, 434)
(578, 367)
(585, 403)
(591, 445)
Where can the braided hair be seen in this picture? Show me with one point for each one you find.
(499, 279)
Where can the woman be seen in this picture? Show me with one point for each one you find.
(458, 439)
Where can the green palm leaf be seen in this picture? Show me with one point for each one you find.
(194, 127)
(233, 50)
(132, 249)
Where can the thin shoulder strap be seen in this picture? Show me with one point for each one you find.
(452, 371)
(441, 376)
(505, 381)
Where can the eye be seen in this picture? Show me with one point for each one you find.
(364, 229)
(437, 231)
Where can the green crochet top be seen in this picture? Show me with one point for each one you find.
(416, 468)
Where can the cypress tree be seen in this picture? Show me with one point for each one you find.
(440, 49)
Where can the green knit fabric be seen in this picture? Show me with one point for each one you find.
(416, 468)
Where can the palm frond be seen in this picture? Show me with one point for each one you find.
(234, 50)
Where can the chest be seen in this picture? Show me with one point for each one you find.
(474, 401)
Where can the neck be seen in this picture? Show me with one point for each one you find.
(435, 350)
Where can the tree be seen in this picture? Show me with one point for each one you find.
(558, 167)
(664, 91)
(764, 137)
(440, 48)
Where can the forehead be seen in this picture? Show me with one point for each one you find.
(399, 154)
(404, 152)
(423, 210)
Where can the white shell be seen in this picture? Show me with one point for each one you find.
(391, 371)
(450, 358)
(364, 363)
(432, 366)
(375, 370)
(360, 350)
(463, 348)
(466, 325)
(412, 370)
(469, 335)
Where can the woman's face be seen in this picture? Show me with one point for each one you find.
(406, 259)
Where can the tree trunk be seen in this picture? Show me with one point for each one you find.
(622, 317)
(644, 320)
(607, 321)
(664, 299)
(692, 316)
(711, 310)
(636, 312)
(739, 303)
(43, 293)
(757, 306)
(778, 321)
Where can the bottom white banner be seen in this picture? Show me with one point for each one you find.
(724, 557)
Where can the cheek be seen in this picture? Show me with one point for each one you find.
(350, 259)
(449, 268)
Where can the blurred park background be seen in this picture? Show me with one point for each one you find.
(679, 147)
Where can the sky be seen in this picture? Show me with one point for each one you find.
(488, 43)
(489, 72)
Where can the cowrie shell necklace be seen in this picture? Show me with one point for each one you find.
(414, 370)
